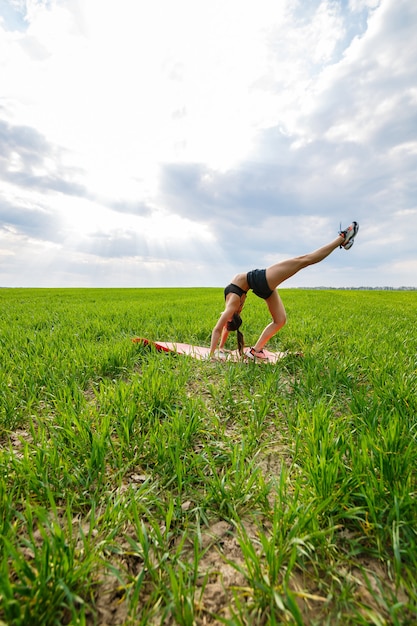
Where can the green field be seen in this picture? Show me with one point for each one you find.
(146, 488)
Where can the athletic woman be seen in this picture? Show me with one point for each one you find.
(264, 284)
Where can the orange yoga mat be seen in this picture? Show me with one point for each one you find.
(202, 353)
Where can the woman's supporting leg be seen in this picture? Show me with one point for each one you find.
(279, 317)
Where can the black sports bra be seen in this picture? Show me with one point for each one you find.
(232, 288)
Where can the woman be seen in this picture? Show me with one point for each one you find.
(264, 283)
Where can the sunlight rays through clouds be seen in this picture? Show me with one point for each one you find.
(140, 137)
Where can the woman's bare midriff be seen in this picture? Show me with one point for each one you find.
(241, 281)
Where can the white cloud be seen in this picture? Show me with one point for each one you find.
(149, 134)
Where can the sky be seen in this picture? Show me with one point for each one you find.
(174, 144)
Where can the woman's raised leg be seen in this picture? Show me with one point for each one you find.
(277, 273)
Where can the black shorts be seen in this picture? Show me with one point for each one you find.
(258, 283)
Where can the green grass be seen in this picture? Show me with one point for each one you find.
(144, 488)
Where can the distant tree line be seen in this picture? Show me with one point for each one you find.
(365, 288)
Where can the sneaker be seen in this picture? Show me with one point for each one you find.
(349, 234)
(256, 354)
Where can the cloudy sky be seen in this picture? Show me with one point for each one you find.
(157, 144)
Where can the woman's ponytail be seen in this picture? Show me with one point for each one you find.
(240, 342)
(234, 325)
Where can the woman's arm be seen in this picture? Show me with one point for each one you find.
(217, 331)
(223, 338)
(232, 306)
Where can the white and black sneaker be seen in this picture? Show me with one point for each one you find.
(255, 354)
(349, 235)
